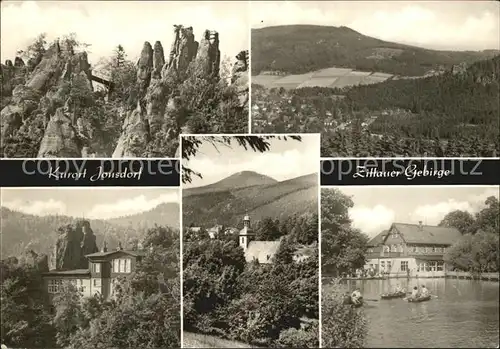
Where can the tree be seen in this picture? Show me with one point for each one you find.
(488, 219)
(342, 247)
(68, 317)
(26, 321)
(190, 146)
(461, 220)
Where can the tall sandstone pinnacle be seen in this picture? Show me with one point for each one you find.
(239, 78)
(73, 243)
(154, 106)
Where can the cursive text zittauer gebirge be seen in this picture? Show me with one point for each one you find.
(100, 175)
(411, 172)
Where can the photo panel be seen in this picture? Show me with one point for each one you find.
(250, 206)
(410, 266)
(96, 86)
(379, 78)
(90, 267)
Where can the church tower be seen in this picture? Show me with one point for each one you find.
(245, 233)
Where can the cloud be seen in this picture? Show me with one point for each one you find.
(129, 23)
(130, 206)
(453, 25)
(38, 208)
(433, 214)
(371, 220)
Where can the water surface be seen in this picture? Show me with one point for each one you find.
(462, 313)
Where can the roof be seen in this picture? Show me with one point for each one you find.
(109, 253)
(263, 251)
(429, 258)
(246, 231)
(427, 234)
(377, 240)
(73, 272)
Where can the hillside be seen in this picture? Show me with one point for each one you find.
(297, 49)
(238, 180)
(20, 231)
(280, 200)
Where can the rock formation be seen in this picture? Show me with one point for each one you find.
(40, 94)
(239, 78)
(73, 243)
(34, 260)
(154, 108)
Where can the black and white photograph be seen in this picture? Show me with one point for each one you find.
(90, 268)
(250, 241)
(121, 79)
(379, 78)
(410, 267)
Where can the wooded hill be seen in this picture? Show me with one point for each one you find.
(295, 49)
(22, 231)
(220, 203)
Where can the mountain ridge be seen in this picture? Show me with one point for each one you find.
(279, 200)
(296, 49)
(22, 231)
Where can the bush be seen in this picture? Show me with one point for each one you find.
(343, 326)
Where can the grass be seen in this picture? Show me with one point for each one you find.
(198, 340)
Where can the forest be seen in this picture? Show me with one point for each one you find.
(265, 305)
(297, 49)
(197, 104)
(452, 114)
(23, 232)
(477, 251)
(148, 302)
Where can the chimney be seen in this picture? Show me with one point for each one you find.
(119, 246)
(104, 247)
(420, 226)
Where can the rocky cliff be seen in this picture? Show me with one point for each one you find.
(155, 106)
(39, 93)
(44, 99)
(73, 243)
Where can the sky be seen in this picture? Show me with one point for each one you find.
(93, 203)
(106, 24)
(445, 25)
(285, 160)
(376, 208)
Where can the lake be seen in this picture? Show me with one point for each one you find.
(465, 313)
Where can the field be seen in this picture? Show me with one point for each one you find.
(197, 340)
(329, 77)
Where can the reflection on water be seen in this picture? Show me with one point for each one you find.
(465, 313)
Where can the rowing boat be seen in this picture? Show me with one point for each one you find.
(393, 295)
(419, 299)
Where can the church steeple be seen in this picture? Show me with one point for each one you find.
(245, 233)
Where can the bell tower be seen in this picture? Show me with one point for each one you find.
(245, 233)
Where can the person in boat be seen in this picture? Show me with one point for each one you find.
(346, 299)
(356, 297)
(424, 291)
(398, 289)
(414, 293)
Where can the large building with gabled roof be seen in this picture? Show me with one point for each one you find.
(410, 250)
(104, 268)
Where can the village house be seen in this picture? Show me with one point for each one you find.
(410, 250)
(99, 278)
(264, 251)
